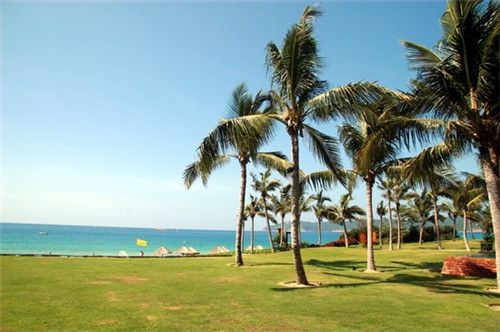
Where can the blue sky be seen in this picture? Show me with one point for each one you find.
(104, 103)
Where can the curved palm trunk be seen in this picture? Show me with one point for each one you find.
(436, 223)
(491, 176)
(319, 232)
(268, 226)
(295, 215)
(370, 258)
(252, 234)
(398, 221)
(241, 215)
(466, 241)
(344, 228)
(421, 238)
(391, 230)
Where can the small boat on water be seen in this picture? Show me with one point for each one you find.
(43, 233)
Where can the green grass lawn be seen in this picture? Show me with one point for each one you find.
(209, 293)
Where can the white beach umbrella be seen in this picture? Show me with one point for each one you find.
(162, 251)
(259, 247)
(218, 250)
(182, 250)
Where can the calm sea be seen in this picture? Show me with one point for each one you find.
(109, 241)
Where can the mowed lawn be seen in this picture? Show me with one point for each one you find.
(210, 294)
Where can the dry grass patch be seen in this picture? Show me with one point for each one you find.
(106, 322)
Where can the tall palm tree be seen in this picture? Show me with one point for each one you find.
(240, 137)
(264, 185)
(300, 96)
(339, 213)
(281, 205)
(381, 211)
(253, 209)
(458, 81)
(382, 129)
(319, 210)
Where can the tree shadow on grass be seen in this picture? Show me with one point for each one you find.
(434, 282)
(350, 265)
(431, 266)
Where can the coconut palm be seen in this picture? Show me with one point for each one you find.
(381, 211)
(421, 205)
(239, 137)
(264, 185)
(301, 96)
(453, 211)
(387, 184)
(339, 213)
(319, 210)
(253, 209)
(383, 128)
(469, 195)
(281, 205)
(458, 81)
(400, 191)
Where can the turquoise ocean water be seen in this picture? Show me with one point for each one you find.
(109, 241)
(90, 240)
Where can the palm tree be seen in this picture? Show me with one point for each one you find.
(239, 137)
(400, 191)
(319, 210)
(381, 211)
(300, 96)
(339, 213)
(253, 209)
(421, 206)
(469, 195)
(387, 184)
(264, 185)
(281, 205)
(458, 81)
(439, 183)
(452, 210)
(383, 128)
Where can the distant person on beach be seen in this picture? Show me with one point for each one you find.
(142, 253)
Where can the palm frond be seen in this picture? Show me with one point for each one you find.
(325, 148)
(202, 168)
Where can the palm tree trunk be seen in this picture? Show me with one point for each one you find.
(295, 214)
(319, 232)
(454, 227)
(283, 230)
(436, 223)
(470, 229)
(421, 237)
(241, 215)
(252, 234)
(491, 176)
(346, 240)
(398, 221)
(466, 241)
(391, 231)
(268, 226)
(380, 231)
(370, 258)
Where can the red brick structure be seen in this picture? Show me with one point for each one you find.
(470, 266)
